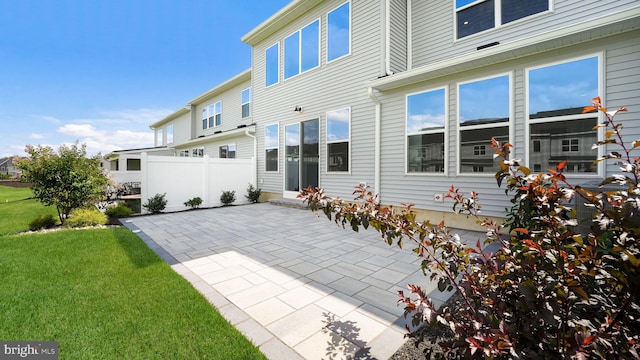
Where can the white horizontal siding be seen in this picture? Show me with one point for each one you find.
(231, 110)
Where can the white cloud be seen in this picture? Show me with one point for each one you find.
(81, 130)
(36, 136)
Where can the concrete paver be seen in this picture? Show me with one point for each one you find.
(298, 286)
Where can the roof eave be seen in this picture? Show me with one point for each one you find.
(608, 25)
(233, 82)
(174, 115)
(223, 135)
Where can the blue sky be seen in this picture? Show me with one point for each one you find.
(101, 72)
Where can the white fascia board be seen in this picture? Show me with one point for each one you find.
(586, 31)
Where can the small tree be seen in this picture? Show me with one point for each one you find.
(549, 291)
(66, 178)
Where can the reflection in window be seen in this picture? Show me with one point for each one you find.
(170, 134)
(272, 56)
(425, 132)
(204, 119)
(133, 164)
(159, 138)
(246, 102)
(478, 122)
(271, 137)
(474, 16)
(339, 32)
(197, 152)
(558, 128)
(228, 151)
(338, 137)
(302, 50)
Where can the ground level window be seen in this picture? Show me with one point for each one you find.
(271, 140)
(197, 152)
(425, 131)
(228, 151)
(338, 138)
(184, 153)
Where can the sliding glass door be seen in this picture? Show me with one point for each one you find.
(302, 156)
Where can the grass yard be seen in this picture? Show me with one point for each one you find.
(17, 209)
(103, 294)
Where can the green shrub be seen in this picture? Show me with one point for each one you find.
(46, 221)
(194, 203)
(253, 194)
(228, 197)
(156, 204)
(86, 217)
(118, 211)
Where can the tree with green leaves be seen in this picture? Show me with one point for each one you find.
(66, 178)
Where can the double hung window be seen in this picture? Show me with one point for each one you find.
(484, 109)
(215, 114)
(558, 130)
(271, 140)
(197, 152)
(474, 16)
(338, 139)
(228, 151)
(426, 119)
(170, 134)
(246, 103)
(302, 50)
(272, 59)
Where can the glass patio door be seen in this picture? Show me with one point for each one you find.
(302, 156)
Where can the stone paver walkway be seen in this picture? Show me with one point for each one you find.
(298, 286)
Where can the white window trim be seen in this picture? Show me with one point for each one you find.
(242, 104)
(269, 148)
(160, 137)
(217, 113)
(445, 131)
(198, 150)
(350, 32)
(205, 118)
(497, 18)
(277, 45)
(509, 123)
(600, 131)
(170, 126)
(327, 142)
(284, 55)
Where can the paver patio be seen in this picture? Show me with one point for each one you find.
(298, 286)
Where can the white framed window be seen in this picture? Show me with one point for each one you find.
(425, 130)
(474, 16)
(338, 140)
(302, 50)
(339, 32)
(271, 141)
(197, 152)
(272, 61)
(480, 120)
(246, 102)
(228, 151)
(557, 93)
(184, 153)
(170, 134)
(159, 137)
(214, 114)
(205, 124)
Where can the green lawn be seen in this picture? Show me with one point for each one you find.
(103, 294)
(18, 209)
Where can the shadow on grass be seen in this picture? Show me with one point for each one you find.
(137, 250)
(344, 342)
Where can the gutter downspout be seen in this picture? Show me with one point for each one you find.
(255, 158)
(387, 38)
(376, 166)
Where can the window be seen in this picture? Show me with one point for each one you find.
(204, 118)
(170, 134)
(338, 138)
(159, 137)
(556, 96)
(302, 50)
(425, 131)
(133, 164)
(215, 114)
(228, 151)
(474, 16)
(246, 103)
(271, 140)
(197, 152)
(184, 153)
(478, 123)
(272, 58)
(339, 32)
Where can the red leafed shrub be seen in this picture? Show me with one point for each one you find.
(549, 291)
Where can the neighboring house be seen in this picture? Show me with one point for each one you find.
(217, 123)
(8, 169)
(124, 166)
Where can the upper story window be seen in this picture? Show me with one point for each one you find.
(474, 16)
(271, 140)
(478, 121)
(170, 134)
(339, 32)
(302, 50)
(557, 127)
(338, 139)
(214, 112)
(159, 137)
(246, 102)
(426, 119)
(204, 118)
(272, 60)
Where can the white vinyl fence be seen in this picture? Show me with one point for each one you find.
(183, 178)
